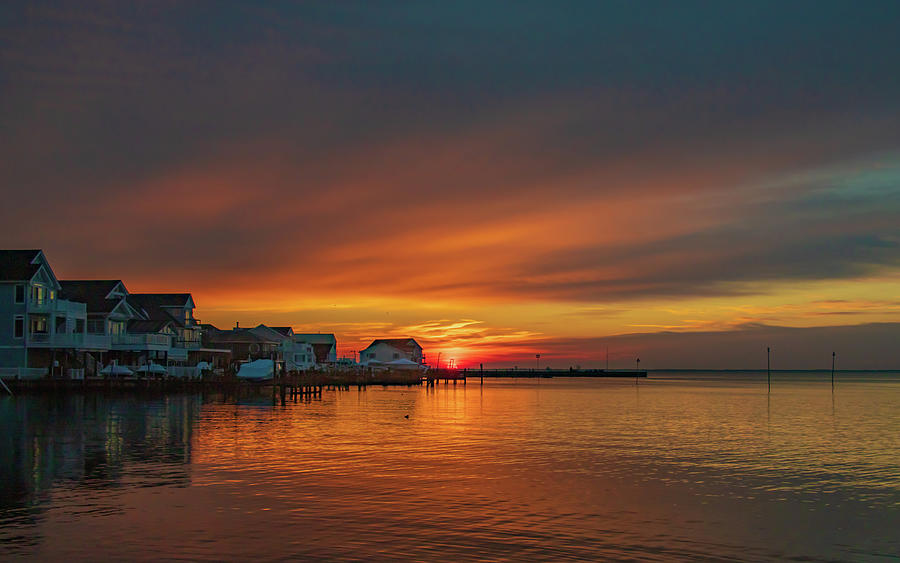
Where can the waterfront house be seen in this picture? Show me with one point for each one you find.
(78, 326)
(108, 315)
(297, 354)
(244, 343)
(324, 347)
(386, 350)
(108, 311)
(176, 309)
(39, 327)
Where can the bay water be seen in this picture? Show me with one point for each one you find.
(678, 466)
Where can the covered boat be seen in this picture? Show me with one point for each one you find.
(114, 369)
(256, 370)
(152, 368)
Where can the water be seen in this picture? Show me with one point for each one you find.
(681, 466)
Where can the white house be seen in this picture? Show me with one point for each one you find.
(385, 350)
(39, 327)
(297, 355)
(324, 346)
(301, 357)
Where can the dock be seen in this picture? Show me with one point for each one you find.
(506, 372)
(297, 384)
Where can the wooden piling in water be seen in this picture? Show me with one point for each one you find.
(832, 370)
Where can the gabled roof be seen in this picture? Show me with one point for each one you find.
(19, 265)
(92, 293)
(141, 326)
(180, 300)
(283, 330)
(156, 305)
(268, 333)
(407, 345)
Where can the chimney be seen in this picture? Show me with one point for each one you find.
(237, 325)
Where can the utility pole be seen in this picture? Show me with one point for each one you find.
(769, 367)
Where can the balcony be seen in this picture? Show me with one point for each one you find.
(67, 308)
(188, 344)
(68, 340)
(159, 342)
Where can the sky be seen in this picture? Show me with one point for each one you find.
(684, 182)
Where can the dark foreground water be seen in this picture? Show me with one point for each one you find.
(681, 466)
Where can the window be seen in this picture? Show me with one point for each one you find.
(38, 325)
(96, 326)
(79, 326)
(396, 356)
(60, 325)
(371, 355)
(38, 294)
(19, 327)
(20, 293)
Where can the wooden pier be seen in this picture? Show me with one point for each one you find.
(446, 375)
(506, 372)
(295, 385)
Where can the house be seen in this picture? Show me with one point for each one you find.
(83, 325)
(39, 326)
(302, 357)
(176, 309)
(244, 343)
(108, 311)
(297, 354)
(386, 350)
(324, 346)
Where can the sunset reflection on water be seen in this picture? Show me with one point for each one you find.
(677, 466)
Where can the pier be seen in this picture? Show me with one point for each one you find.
(506, 372)
(297, 384)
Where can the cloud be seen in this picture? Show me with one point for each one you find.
(865, 346)
(276, 158)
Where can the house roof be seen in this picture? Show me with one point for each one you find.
(150, 326)
(241, 335)
(407, 345)
(179, 300)
(316, 338)
(283, 330)
(155, 305)
(268, 333)
(17, 265)
(92, 293)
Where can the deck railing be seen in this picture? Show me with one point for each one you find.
(68, 340)
(23, 373)
(141, 340)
